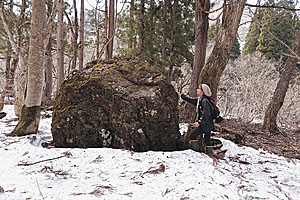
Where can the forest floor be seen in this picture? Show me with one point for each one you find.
(285, 143)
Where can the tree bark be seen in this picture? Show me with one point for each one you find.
(201, 30)
(111, 28)
(106, 29)
(30, 114)
(75, 36)
(131, 18)
(141, 25)
(21, 67)
(47, 94)
(60, 47)
(97, 32)
(48, 87)
(216, 63)
(173, 40)
(270, 118)
(81, 35)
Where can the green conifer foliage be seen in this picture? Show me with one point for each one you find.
(159, 48)
(253, 33)
(281, 23)
(235, 51)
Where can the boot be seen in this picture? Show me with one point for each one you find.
(194, 144)
(2, 114)
(209, 150)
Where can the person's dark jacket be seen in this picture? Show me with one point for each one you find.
(204, 112)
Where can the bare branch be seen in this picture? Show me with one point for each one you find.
(208, 12)
(289, 55)
(65, 154)
(280, 7)
(50, 22)
(122, 8)
(70, 23)
(213, 19)
(7, 29)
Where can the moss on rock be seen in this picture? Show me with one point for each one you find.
(120, 103)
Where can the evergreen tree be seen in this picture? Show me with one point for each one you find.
(160, 47)
(253, 33)
(281, 23)
(235, 51)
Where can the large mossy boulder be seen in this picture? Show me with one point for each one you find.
(119, 103)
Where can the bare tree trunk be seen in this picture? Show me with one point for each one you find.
(106, 30)
(47, 94)
(213, 69)
(9, 75)
(75, 36)
(131, 18)
(81, 35)
(30, 114)
(60, 47)
(111, 28)
(97, 32)
(142, 25)
(164, 40)
(270, 119)
(10, 66)
(171, 66)
(48, 87)
(20, 81)
(20, 70)
(201, 30)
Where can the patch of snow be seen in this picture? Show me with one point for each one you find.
(28, 171)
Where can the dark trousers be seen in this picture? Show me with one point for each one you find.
(198, 131)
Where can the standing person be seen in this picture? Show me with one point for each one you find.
(204, 121)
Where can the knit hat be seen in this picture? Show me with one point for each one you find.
(206, 90)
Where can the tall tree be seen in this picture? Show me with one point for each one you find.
(254, 31)
(280, 23)
(141, 25)
(18, 45)
(81, 35)
(30, 114)
(111, 28)
(106, 28)
(60, 43)
(173, 39)
(97, 19)
(201, 31)
(270, 119)
(11, 59)
(47, 94)
(75, 36)
(48, 87)
(217, 61)
(131, 22)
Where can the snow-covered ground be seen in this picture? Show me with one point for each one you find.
(28, 171)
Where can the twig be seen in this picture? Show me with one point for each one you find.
(39, 188)
(66, 154)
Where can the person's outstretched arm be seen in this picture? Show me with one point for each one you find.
(189, 99)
